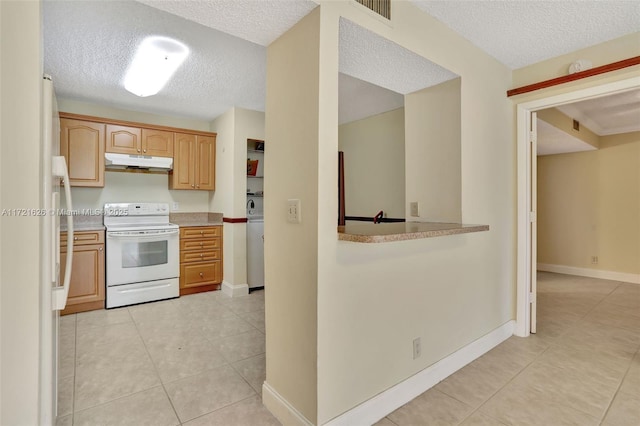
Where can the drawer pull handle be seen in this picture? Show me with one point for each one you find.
(75, 238)
(201, 232)
(201, 275)
(100, 249)
(202, 255)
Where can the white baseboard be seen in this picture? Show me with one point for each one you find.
(235, 290)
(281, 409)
(374, 409)
(591, 273)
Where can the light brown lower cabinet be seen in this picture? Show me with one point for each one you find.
(87, 287)
(200, 259)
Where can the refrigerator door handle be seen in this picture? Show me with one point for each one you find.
(60, 294)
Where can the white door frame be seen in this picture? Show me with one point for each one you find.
(523, 116)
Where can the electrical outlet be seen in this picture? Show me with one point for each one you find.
(415, 209)
(417, 348)
(294, 214)
(176, 206)
(594, 260)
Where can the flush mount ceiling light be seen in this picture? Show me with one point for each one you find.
(156, 59)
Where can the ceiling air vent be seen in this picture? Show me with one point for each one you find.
(381, 7)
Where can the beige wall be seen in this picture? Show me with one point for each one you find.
(249, 125)
(364, 304)
(589, 205)
(601, 54)
(563, 122)
(291, 250)
(136, 187)
(234, 127)
(373, 300)
(374, 164)
(20, 104)
(433, 152)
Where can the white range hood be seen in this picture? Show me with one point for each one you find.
(124, 161)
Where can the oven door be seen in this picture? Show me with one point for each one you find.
(138, 256)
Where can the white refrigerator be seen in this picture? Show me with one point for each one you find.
(53, 295)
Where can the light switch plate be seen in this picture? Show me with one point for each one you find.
(294, 214)
(176, 206)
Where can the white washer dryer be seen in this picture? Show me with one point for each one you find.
(255, 252)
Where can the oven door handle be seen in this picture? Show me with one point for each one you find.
(154, 235)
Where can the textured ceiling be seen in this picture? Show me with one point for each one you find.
(260, 22)
(552, 140)
(609, 115)
(372, 58)
(520, 33)
(358, 99)
(88, 46)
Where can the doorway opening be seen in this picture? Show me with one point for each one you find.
(527, 238)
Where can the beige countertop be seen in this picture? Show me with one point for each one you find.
(400, 231)
(83, 223)
(196, 219)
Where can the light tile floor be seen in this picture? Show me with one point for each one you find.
(197, 360)
(581, 368)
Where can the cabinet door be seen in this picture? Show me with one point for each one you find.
(206, 167)
(87, 277)
(183, 175)
(123, 139)
(82, 145)
(158, 143)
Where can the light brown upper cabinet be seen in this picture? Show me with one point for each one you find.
(194, 162)
(123, 139)
(82, 145)
(158, 143)
(139, 141)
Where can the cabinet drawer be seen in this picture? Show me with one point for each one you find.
(200, 274)
(213, 243)
(82, 238)
(201, 232)
(199, 256)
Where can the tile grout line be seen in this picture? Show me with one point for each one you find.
(615, 394)
(624, 376)
(477, 409)
(155, 367)
(190, 320)
(551, 344)
(579, 323)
